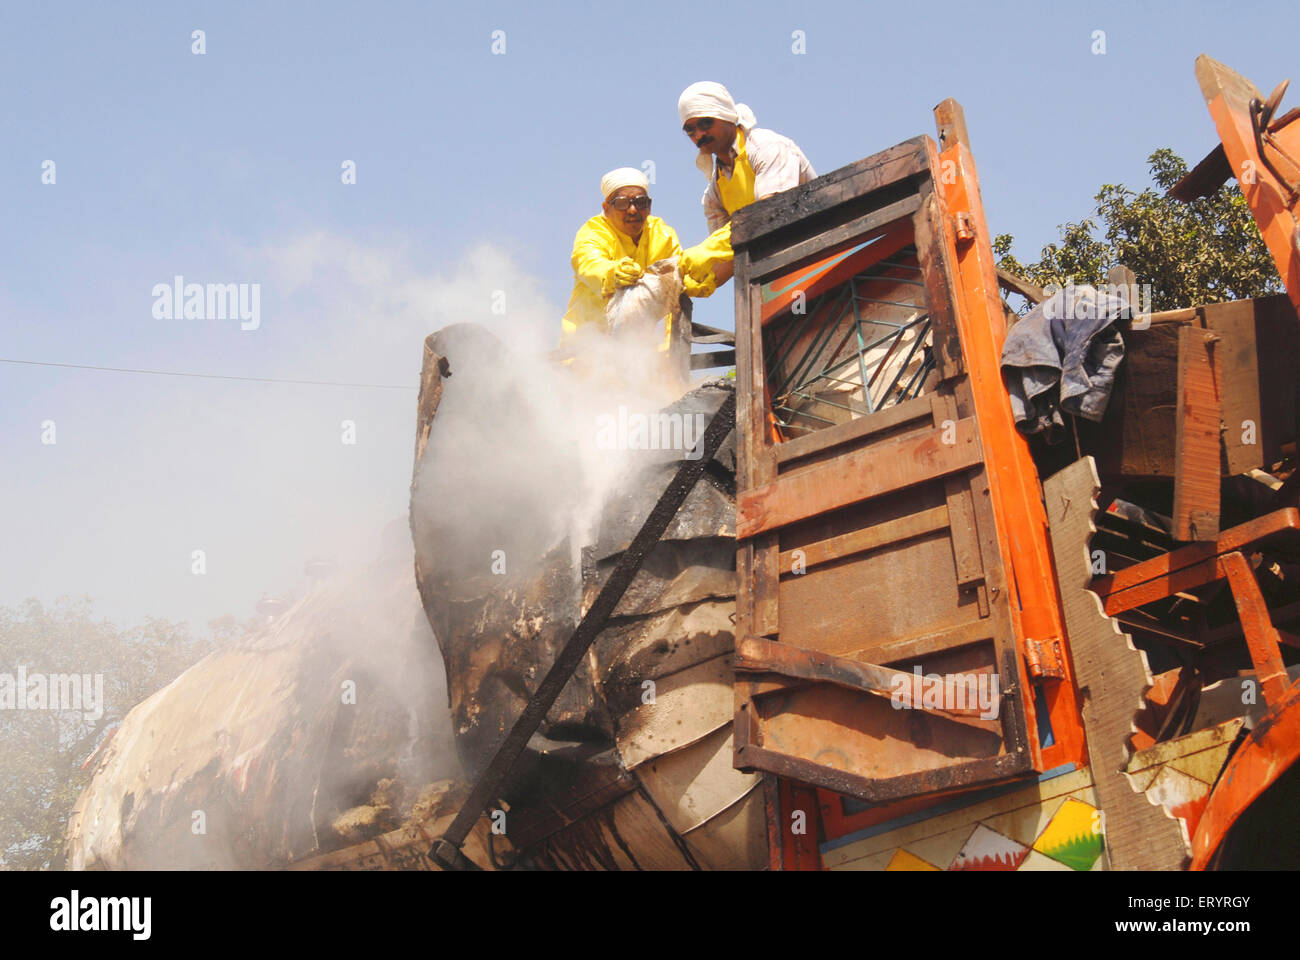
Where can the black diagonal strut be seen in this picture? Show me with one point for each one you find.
(446, 850)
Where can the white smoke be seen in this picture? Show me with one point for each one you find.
(520, 453)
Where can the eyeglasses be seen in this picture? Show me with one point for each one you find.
(690, 126)
(622, 203)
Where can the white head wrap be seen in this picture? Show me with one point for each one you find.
(709, 99)
(622, 177)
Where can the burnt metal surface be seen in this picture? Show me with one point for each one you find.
(496, 645)
(685, 571)
(709, 509)
(497, 633)
(669, 787)
(491, 780)
(257, 735)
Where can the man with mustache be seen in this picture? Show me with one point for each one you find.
(743, 162)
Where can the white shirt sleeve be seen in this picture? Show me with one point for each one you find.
(778, 164)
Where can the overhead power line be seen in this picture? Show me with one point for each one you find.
(210, 376)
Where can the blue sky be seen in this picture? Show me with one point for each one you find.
(473, 172)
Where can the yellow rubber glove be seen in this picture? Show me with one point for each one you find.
(627, 272)
(697, 262)
(698, 289)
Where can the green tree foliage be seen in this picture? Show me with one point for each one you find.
(1206, 251)
(42, 775)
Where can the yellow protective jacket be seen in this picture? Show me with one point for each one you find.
(597, 249)
(766, 163)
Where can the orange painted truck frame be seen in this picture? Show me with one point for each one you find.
(834, 514)
(1262, 150)
(855, 507)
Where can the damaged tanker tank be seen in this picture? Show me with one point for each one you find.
(632, 766)
(319, 730)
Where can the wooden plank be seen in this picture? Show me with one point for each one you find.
(796, 255)
(755, 599)
(1112, 675)
(1182, 580)
(950, 119)
(751, 417)
(1280, 522)
(1205, 178)
(757, 655)
(756, 561)
(857, 476)
(938, 287)
(965, 542)
(800, 850)
(1182, 315)
(914, 648)
(1260, 345)
(1136, 436)
(1196, 442)
(772, 813)
(762, 467)
(1261, 636)
(899, 590)
(1009, 511)
(1273, 205)
(879, 790)
(767, 583)
(790, 208)
(718, 358)
(1031, 292)
(961, 508)
(1237, 372)
(916, 409)
(745, 588)
(868, 538)
(1277, 336)
(699, 330)
(1255, 364)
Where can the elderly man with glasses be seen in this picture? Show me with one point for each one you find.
(743, 162)
(614, 249)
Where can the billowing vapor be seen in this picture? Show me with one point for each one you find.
(525, 449)
(522, 455)
(263, 737)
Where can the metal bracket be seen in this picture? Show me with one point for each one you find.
(1045, 659)
(450, 857)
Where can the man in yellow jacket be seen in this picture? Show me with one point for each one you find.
(743, 162)
(614, 249)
